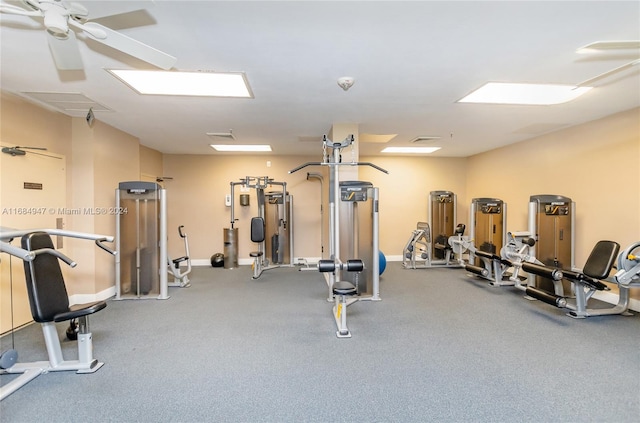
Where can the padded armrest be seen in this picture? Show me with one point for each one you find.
(80, 310)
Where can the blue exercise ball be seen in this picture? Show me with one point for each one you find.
(382, 263)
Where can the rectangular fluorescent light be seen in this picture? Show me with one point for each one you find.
(206, 84)
(525, 94)
(411, 150)
(240, 147)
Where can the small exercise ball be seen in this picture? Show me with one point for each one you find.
(217, 260)
(382, 263)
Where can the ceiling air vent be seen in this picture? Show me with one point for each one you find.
(226, 135)
(72, 104)
(425, 139)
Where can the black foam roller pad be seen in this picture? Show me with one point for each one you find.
(326, 266)
(355, 265)
(476, 270)
(546, 272)
(545, 297)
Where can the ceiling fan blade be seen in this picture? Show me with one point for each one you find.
(103, 9)
(126, 44)
(610, 45)
(65, 52)
(609, 73)
(15, 10)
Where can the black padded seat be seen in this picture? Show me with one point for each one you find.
(601, 259)
(45, 285)
(344, 288)
(256, 254)
(180, 260)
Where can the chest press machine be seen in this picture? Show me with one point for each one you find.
(362, 268)
(275, 214)
(49, 304)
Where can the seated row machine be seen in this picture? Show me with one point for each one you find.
(49, 304)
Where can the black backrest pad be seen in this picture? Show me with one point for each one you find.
(45, 284)
(601, 259)
(257, 229)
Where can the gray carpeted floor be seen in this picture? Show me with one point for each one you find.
(439, 347)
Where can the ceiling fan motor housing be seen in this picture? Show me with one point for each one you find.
(56, 18)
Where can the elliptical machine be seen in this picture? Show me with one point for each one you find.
(180, 278)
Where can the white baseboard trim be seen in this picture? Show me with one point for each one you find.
(608, 297)
(612, 298)
(89, 298)
(249, 261)
(393, 258)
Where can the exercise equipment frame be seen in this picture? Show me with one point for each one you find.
(339, 289)
(56, 362)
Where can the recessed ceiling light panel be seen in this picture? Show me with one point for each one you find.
(203, 84)
(410, 150)
(240, 147)
(524, 94)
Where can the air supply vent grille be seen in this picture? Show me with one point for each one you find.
(72, 104)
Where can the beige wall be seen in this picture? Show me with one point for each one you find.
(596, 164)
(195, 199)
(151, 166)
(97, 158)
(404, 193)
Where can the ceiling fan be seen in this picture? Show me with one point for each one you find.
(61, 18)
(20, 151)
(608, 46)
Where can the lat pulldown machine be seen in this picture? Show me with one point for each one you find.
(363, 268)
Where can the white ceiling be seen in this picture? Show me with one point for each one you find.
(411, 62)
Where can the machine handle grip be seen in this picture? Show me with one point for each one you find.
(100, 243)
(180, 228)
(57, 254)
(302, 166)
(373, 166)
(25, 255)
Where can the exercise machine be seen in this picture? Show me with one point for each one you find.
(180, 277)
(589, 281)
(487, 236)
(271, 229)
(515, 256)
(544, 251)
(341, 290)
(552, 223)
(418, 250)
(348, 203)
(141, 241)
(49, 303)
(428, 246)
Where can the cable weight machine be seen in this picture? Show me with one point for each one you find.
(354, 194)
